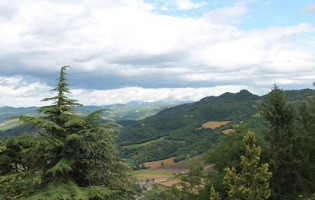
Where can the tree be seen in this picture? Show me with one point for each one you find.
(253, 181)
(76, 157)
(227, 154)
(283, 145)
(306, 140)
(18, 176)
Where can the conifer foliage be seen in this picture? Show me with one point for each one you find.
(72, 158)
(284, 149)
(253, 181)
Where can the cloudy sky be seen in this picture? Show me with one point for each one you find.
(153, 50)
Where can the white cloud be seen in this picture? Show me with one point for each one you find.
(18, 92)
(124, 95)
(30, 93)
(228, 13)
(128, 40)
(189, 5)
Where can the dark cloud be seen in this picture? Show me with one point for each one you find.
(150, 60)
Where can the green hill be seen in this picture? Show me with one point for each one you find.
(168, 131)
(228, 106)
(174, 132)
(121, 112)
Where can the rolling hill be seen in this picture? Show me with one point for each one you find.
(156, 131)
(176, 132)
(134, 110)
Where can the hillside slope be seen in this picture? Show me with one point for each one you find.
(130, 111)
(174, 132)
(227, 107)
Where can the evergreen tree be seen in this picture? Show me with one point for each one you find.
(76, 158)
(306, 141)
(18, 176)
(253, 181)
(283, 146)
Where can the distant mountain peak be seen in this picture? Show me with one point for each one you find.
(245, 92)
(241, 95)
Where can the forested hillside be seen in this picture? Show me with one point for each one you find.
(175, 131)
(276, 162)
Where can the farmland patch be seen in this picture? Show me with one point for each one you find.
(158, 163)
(213, 125)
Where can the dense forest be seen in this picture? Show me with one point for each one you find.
(68, 155)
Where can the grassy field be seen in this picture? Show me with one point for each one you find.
(9, 124)
(144, 174)
(147, 178)
(166, 175)
(142, 144)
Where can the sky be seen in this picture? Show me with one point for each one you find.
(153, 50)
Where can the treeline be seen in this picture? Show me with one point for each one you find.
(278, 163)
(70, 158)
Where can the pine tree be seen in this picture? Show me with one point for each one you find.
(283, 146)
(76, 158)
(306, 141)
(253, 181)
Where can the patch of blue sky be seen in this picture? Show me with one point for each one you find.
(261, 14)
(277, 13)
(169, 7)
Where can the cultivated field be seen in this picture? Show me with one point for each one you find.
(214, 125)
(165, 175)
(158, 163)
